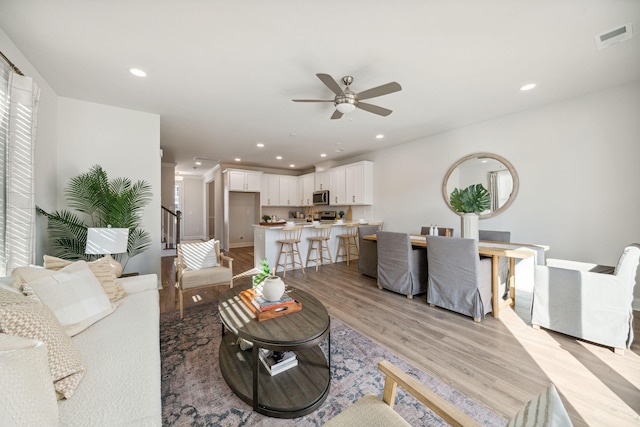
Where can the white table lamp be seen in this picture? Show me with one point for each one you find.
(106, 241)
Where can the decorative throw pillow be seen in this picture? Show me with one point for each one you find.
(74, 295)
(8, 285)
(544, 410)
(23, 317)
(103, 270)
(27, 393)
(199, 255)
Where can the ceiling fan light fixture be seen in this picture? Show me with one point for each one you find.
(346, 108)
(346, 103)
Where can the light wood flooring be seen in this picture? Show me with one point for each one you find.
(500, 363)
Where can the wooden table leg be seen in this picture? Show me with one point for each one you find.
(495, 298)
(512, 281)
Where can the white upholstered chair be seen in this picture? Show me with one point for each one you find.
(201, 265)
(459, 280)
(575, 299)
(401, 268)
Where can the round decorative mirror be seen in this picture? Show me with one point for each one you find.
(494, 172)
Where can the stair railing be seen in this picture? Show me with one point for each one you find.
(170, 227)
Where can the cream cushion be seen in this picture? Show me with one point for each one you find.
(368, 411)
(27, 393)
(23, 317)
(104, 269)
(74, 295)
(544, 410)
(199, 255)
(195, 279)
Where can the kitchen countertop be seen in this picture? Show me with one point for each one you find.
(306, 225)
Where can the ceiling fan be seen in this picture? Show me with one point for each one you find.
(347, 101)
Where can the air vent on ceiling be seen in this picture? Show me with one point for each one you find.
(614, 36)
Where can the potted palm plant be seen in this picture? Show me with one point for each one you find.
(99, 202)
(470, 202)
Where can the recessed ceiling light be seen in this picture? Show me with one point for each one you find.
(198, 163)
(292, 165)
(137, 72)
(260, 144)
(323, 155)
(278, 157)
(379, 136)
(237, 159)
(528, 86)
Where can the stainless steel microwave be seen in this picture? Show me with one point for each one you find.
(321, 197)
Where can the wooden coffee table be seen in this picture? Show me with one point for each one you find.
(295, 392)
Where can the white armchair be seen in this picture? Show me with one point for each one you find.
(201, 265)
(579, 300)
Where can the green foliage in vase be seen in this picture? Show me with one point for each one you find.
(266, 218)
(475, 198)
(262, 276)
(100, 202)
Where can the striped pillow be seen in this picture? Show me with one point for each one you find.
(23, 317)
(102, 268)
(545, 410)
(200, 255)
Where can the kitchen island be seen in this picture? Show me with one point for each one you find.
(265, 246)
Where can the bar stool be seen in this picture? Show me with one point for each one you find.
(348, 242)
(319, 243)
(289, 248)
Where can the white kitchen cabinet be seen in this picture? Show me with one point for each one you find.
(359, 183)
(242, 180)
(288, 190)
(306, 186)
(323, 180)
(337, 188)
(270, 190)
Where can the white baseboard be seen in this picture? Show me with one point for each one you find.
(241, 245)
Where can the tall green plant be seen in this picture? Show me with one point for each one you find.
(475, 198)
(101, 202)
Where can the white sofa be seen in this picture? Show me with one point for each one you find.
(121, 358)
(121, 355)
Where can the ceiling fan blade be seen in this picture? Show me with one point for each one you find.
(330, 83)
(312, 100)
(336, 115)
(379, 91)
(374, 109)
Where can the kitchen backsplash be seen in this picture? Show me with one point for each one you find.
(365, 212)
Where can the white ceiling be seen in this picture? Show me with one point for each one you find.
(222, 74)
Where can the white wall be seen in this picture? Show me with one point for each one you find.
(193, 191)
(125, 143)
(578, 166)
(168, 182)
(46, 142)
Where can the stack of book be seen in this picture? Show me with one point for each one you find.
(277, 361)
(262, 304)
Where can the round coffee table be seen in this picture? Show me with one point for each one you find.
(295, 392)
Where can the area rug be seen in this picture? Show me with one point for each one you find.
(194, 392)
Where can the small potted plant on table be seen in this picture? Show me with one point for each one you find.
(470, 202)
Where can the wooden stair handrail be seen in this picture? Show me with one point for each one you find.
(178, 216)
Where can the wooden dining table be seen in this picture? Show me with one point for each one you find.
(495, 252)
